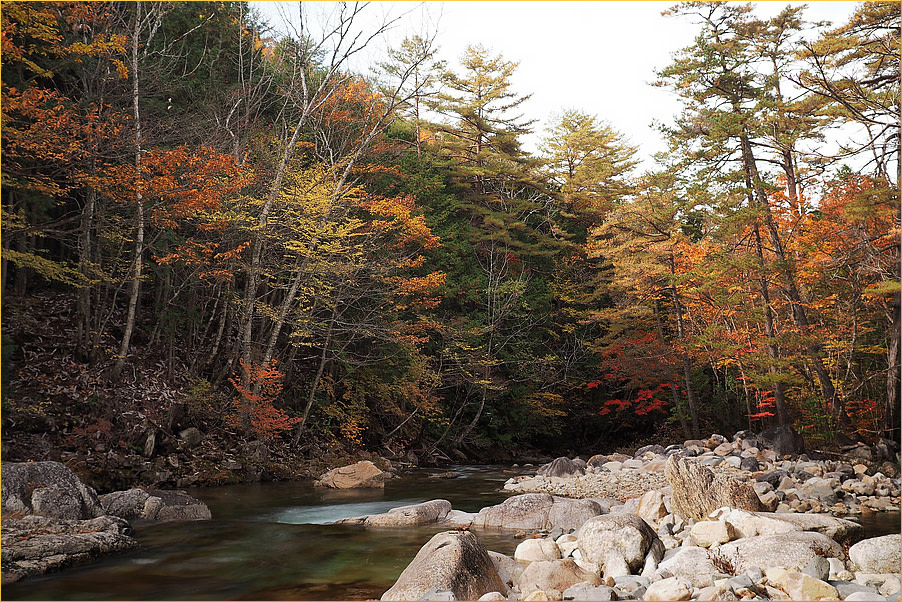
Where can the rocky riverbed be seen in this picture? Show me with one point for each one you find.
(852, 485)
(706, 520)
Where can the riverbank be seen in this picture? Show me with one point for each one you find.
(848, 486)
(705, 535)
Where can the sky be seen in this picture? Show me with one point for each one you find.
(597, 57)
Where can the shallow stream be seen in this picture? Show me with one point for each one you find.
(270, 541)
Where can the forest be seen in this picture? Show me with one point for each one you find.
(208, 224)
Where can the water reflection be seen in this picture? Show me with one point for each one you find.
(270, 541)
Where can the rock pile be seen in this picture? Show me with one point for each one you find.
(861, 482)
(51, 520)
(690, 522)
(732, 554)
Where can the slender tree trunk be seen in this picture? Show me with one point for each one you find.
(686, 361)
(675, 396)
(323, 360)
(891, 414)
(139, 204)
(84, 261)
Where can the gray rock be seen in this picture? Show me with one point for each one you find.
(654, 448)
(562, 467)
(256, 452)
(47, 489)
(191, 436)
(691, 563)
(774, 477)
(838, 529)
(508, 569)
(847, 588)
(697, 491)
(783, 440)
(616, 543)
(818, 567)
(786, 550)
(35, 545)
(452, 561)
(425, 513)
(362, 475)
(537, 511)
(868, 595)
(545, 575)
(154, 504)
(528, 511)
(877, 554)
(438, 594)
(749, 464)
(587, 591)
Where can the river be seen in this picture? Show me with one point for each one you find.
(270, 541)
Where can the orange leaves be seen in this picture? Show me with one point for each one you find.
(258, 387)
(419, 292)
(394, 216)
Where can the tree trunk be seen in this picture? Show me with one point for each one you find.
(323, 360)
(139, 201)
(675, 396)
(686, 361)
(891, 415)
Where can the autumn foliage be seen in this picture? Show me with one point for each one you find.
(258, 387)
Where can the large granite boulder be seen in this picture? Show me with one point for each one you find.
(877, 554)
(425, 513)
(783, 440)
(35, 545)
(562, 467)
(617, 543)
(546, 575)
(452, 561)
(362, 475)
(697, 491)
(792, 550)
(46, 489)
(154, 504)
(537, 511)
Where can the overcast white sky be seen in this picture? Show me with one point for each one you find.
(598, 57)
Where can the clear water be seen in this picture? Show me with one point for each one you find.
(270, 541)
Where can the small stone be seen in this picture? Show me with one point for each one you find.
(712, 532)
(818, 567)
